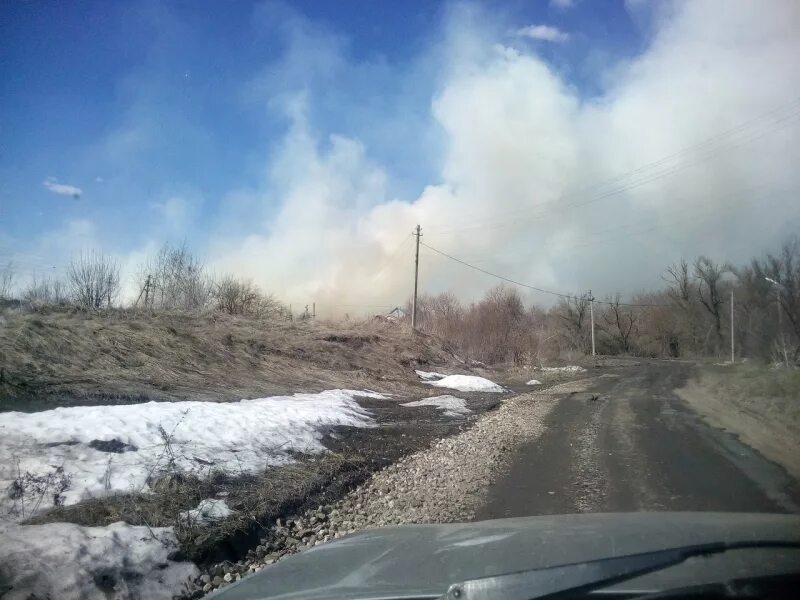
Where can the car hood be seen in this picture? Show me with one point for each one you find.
(421, 561)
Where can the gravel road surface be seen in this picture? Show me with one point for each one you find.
(629, 443)
(618, 439)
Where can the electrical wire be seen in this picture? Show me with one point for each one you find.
(533, 287)
(634, 229)
(644, 178)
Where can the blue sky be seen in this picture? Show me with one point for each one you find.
(135, 103)
(293, 142)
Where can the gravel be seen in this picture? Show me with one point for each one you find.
(444, 483)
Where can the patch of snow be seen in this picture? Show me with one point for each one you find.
(235, 436)
(66, 561)
(427, 375)
(568, 369)
(208, 511)
(534, 382)
(452, 406)
(467, 383)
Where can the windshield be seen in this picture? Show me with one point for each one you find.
(273, 274)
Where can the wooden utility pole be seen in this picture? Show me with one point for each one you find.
(145, 290)
(591, 316)
(733, 352)
(418, 235)
(780, 327)
(313, 310)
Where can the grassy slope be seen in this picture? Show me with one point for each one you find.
(78, 358)
(760, 404)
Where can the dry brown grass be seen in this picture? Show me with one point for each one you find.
(757, 402)
(72, 357)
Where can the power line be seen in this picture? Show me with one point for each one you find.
(532, 287)
(646, 226)
(648, 178)
(643, 176)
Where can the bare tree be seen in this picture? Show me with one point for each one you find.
(174, 279)
(497, 328)
(573, 313)
(659, 331)
(440, 314)
(784, 269)
(620, 322)
(237, 296)
(496, 324)
(680, 282)
(6, 281)
(709, 278)
(93, 280)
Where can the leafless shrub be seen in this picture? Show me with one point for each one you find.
(28, 490)
(496, 329)
(165, 464)
(237, 296)
(43, 292)
(93, 280)
(6, 281)
(174, 279)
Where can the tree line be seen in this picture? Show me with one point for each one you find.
(172, 279)
(688, 317)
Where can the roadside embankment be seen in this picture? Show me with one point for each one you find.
(760, 404)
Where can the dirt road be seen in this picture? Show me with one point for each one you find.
(632, 444)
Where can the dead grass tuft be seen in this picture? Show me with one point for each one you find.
(257, 499)
(123, 356)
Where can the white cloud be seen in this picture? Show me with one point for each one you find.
(62, 188)
(518, 189)
(544, 33)
(175, 212)
(532, 180)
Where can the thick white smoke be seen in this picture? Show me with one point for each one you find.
(520, 190)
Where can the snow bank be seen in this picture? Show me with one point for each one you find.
(429, 375)
(467, 383)
(568, 369)
(534, 382)
(106, 449)
(452, 406)
(64, 560)
(208, 511)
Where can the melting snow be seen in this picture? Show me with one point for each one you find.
(107, 449)
(452, 406)
(64, 560)
(534, 382)
(467, 383)
(429, 375)
(207, 512)
(569, 369)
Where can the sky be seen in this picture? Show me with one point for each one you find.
(570, 145)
